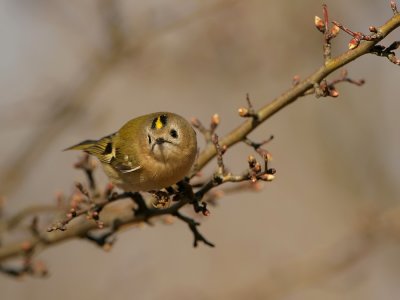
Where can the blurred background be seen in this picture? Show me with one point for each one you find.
(326, 228)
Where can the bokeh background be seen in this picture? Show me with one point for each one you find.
(326, 228)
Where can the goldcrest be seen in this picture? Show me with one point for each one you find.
(148, 153)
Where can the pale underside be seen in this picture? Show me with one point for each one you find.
(153, 175)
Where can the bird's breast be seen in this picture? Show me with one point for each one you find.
(153, 175)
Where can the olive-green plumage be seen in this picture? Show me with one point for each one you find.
(150, 152)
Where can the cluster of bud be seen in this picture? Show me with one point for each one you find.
(321, 26)
(256, 172)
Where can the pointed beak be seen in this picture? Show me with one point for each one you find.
(160, 141)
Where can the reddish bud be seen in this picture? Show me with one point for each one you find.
(76, 199)
(334, 31)
(354, 43)
(373, 29)
(267, 156)
(319, 24)
(224, 148)
(296, 80)
(195, 122)
(215, 120)
(243, 112)
(257, 167)
(394, 7)
(333, 93)
(206, 212)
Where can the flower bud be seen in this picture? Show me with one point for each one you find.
(354, 43)
(319, 24)
(243, 112)
(257, 167)
(333, 93)
(215, 119)
(267, 177)
(394, 7)
(252, 161)
(335, 31)
(373, 29)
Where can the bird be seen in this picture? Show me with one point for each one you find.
(147, 153)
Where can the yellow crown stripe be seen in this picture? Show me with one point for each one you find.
(159, 123)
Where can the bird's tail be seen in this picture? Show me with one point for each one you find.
(103, 148)
(85, 146)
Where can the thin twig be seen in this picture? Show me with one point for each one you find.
(291, 95)
(198, 237)
(143, 214)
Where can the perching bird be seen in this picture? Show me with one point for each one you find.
(148, 153)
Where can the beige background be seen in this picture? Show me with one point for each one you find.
(301, 237)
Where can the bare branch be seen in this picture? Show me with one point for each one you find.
(88, 203)
(198, 237)
(291, 95)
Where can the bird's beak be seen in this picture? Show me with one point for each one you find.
(160, 141)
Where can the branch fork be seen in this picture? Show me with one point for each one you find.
(88, 201)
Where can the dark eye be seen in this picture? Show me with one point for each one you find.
(173, 133)
(149, 138)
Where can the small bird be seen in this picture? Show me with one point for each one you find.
(148, 153)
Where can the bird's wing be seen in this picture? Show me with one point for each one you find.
(122, 162)
(107, 151)
(125, 168)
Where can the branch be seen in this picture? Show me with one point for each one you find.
(81, 228)
(297, 91)
(198, 237)
(89, 203)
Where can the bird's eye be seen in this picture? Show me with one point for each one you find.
(173, 133)
(149, 138)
